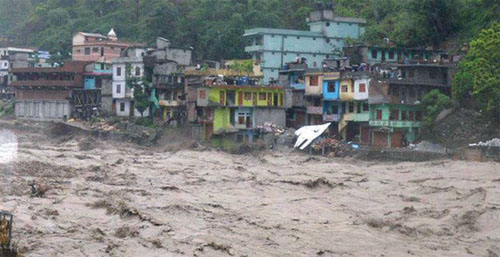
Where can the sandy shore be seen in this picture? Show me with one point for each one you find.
(118, 200)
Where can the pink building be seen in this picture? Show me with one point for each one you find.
(97, 47)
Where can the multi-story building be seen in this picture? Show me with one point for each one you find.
(13, 57)
(168, 79)
(371, 55)
(293, 78)
(326, 38)
(230, 103)
(97, 47)
(130, 64)
(45, 93)
(395, 113)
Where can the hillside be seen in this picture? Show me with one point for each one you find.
(214, 28)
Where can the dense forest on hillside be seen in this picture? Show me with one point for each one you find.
(214, 27)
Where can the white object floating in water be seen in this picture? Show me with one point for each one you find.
(8, 146)
(308, 134)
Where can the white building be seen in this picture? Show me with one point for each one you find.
(12, 57)
(123, 97)
(361, 88)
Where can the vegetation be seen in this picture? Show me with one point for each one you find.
(214, 27)
(141, 88)
(242, 66)
(478, 75)
(433, 104)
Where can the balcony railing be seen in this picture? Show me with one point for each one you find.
(315, 110)
(169, 103)
(395, 123)
(331, 117)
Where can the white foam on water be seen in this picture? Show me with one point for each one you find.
(8, 146)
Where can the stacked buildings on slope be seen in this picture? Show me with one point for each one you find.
(370, 94)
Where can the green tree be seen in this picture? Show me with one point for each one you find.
(141, 88)
(433, 104)
(478, 75)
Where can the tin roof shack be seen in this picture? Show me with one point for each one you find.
(293, 78)
(168, 64)
(99, 48)
(45, 93)
(395, 112)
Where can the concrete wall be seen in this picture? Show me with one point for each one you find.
(274, 115)
(314, 90)
(42, 109)
(361, 95)
(202, 101)
(119, 89)
(125, 112)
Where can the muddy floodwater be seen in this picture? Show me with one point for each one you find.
(116, 199)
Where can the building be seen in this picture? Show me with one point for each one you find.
(169, 63)
(45, 93)
(13, 57)
(129, 65)
(232, 104)
(372, 55)
(395, 114)
(292, 77)
(96, 47)
(326, 38)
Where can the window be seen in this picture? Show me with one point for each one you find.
(351, 107)
(391, 54)
(87, 50)
(374, 54)
(419, 116)
(432, 75)
(403, 115)
(118, 89)
(395, 115)
(411, 74)
(248, 96)
(328, 24)
(412, 93)
(122, 107)
(79, 50)
(411, 116)
(241, 118)
(137, 71)
(95, 49)
(262, 96)
(118, 71)
(314, 38)
(272, 53)
(298, 37)
(331, 87)
(362, 87)
(366, 107)
(203, 94)
(314, 81)
(344, 88)
(328, 40)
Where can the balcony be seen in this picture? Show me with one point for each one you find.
(254, 48)
(318, 110)
(169, 103)
(419, 81)
(395, 123)
(298, 86)
(331, 117)
(362, 117)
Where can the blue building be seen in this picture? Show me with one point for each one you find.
(326, 38)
